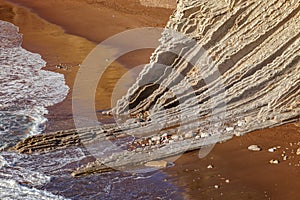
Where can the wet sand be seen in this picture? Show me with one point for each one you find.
(53, 37)
(250, 174)
(69, 30)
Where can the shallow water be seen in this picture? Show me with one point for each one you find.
(26, 90)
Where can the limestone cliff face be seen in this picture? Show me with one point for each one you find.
(233, 61)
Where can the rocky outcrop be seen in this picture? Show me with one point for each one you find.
(223, 68)
(248, 68)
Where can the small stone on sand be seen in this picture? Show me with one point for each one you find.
(274, 161)
(254, 148)
(210, 166)
(272, 149)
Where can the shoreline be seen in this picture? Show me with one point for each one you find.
(241, 167)
(57, 46)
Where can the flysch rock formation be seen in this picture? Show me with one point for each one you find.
(223, 68)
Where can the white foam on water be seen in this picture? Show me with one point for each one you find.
(25, 92)
(11, 190)
(13, 176)
(25, 89)
(2, 162)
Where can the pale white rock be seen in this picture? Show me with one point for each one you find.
(157, 164)
(210, 167)
(274, 161)
(228, 129)
(203, 135)
(273, 149)
(298, 152)
(254, 147)
(240, 123)
(155, 138)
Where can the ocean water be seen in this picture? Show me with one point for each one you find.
(26, 91)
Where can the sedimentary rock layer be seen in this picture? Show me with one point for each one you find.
(239, 58)
(223, 68)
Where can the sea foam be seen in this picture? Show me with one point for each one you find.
(26, 90)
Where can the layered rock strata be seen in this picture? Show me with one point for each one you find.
(223, 68)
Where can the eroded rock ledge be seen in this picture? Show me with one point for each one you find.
(234, 68)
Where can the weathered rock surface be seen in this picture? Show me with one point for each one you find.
(222, 68)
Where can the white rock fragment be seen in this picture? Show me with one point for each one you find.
(157, 164)
(210, 166)
(216, 186)
(254, 147)
(228, 129)
(155, 138)
(273, 149)
(227, 181)
(240, 123)
(274, 161)
(203, 135)
(298, 152)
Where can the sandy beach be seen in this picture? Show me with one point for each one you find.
(64, 32)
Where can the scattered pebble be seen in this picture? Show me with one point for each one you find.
(210, 167)
(217, 186)
(272, 149)
(274, 161)
(227, 181)
(285, 157)
(298, 152)
(254, 148)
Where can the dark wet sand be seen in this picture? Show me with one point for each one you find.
(249, 173)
